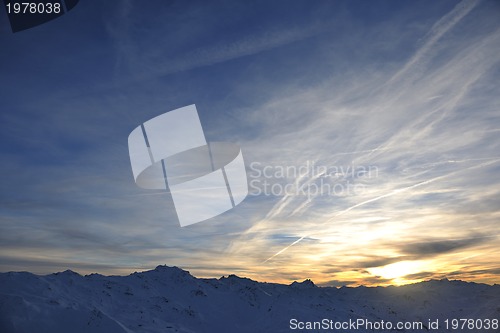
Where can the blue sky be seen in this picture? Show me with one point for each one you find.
(408, 89)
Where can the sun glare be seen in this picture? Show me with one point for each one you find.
(398, 270)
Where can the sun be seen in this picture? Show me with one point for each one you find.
(399, 269)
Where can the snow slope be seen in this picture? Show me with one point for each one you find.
(169, 299)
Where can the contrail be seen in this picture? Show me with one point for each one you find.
(359, 151)
(284, 249)
(394, 192)
(440, 28)
(288, 198)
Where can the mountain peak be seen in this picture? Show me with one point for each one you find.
(67, 272)
(307, 283)
(165, 268)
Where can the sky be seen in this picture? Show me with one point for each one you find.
(370, 132)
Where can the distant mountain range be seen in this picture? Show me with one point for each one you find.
(169, 299)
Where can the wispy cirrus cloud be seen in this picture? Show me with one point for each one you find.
(161, 58)
(413, 125)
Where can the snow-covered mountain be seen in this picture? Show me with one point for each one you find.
(169, 299)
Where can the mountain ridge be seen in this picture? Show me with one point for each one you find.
(170, 299)
(307, 280)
